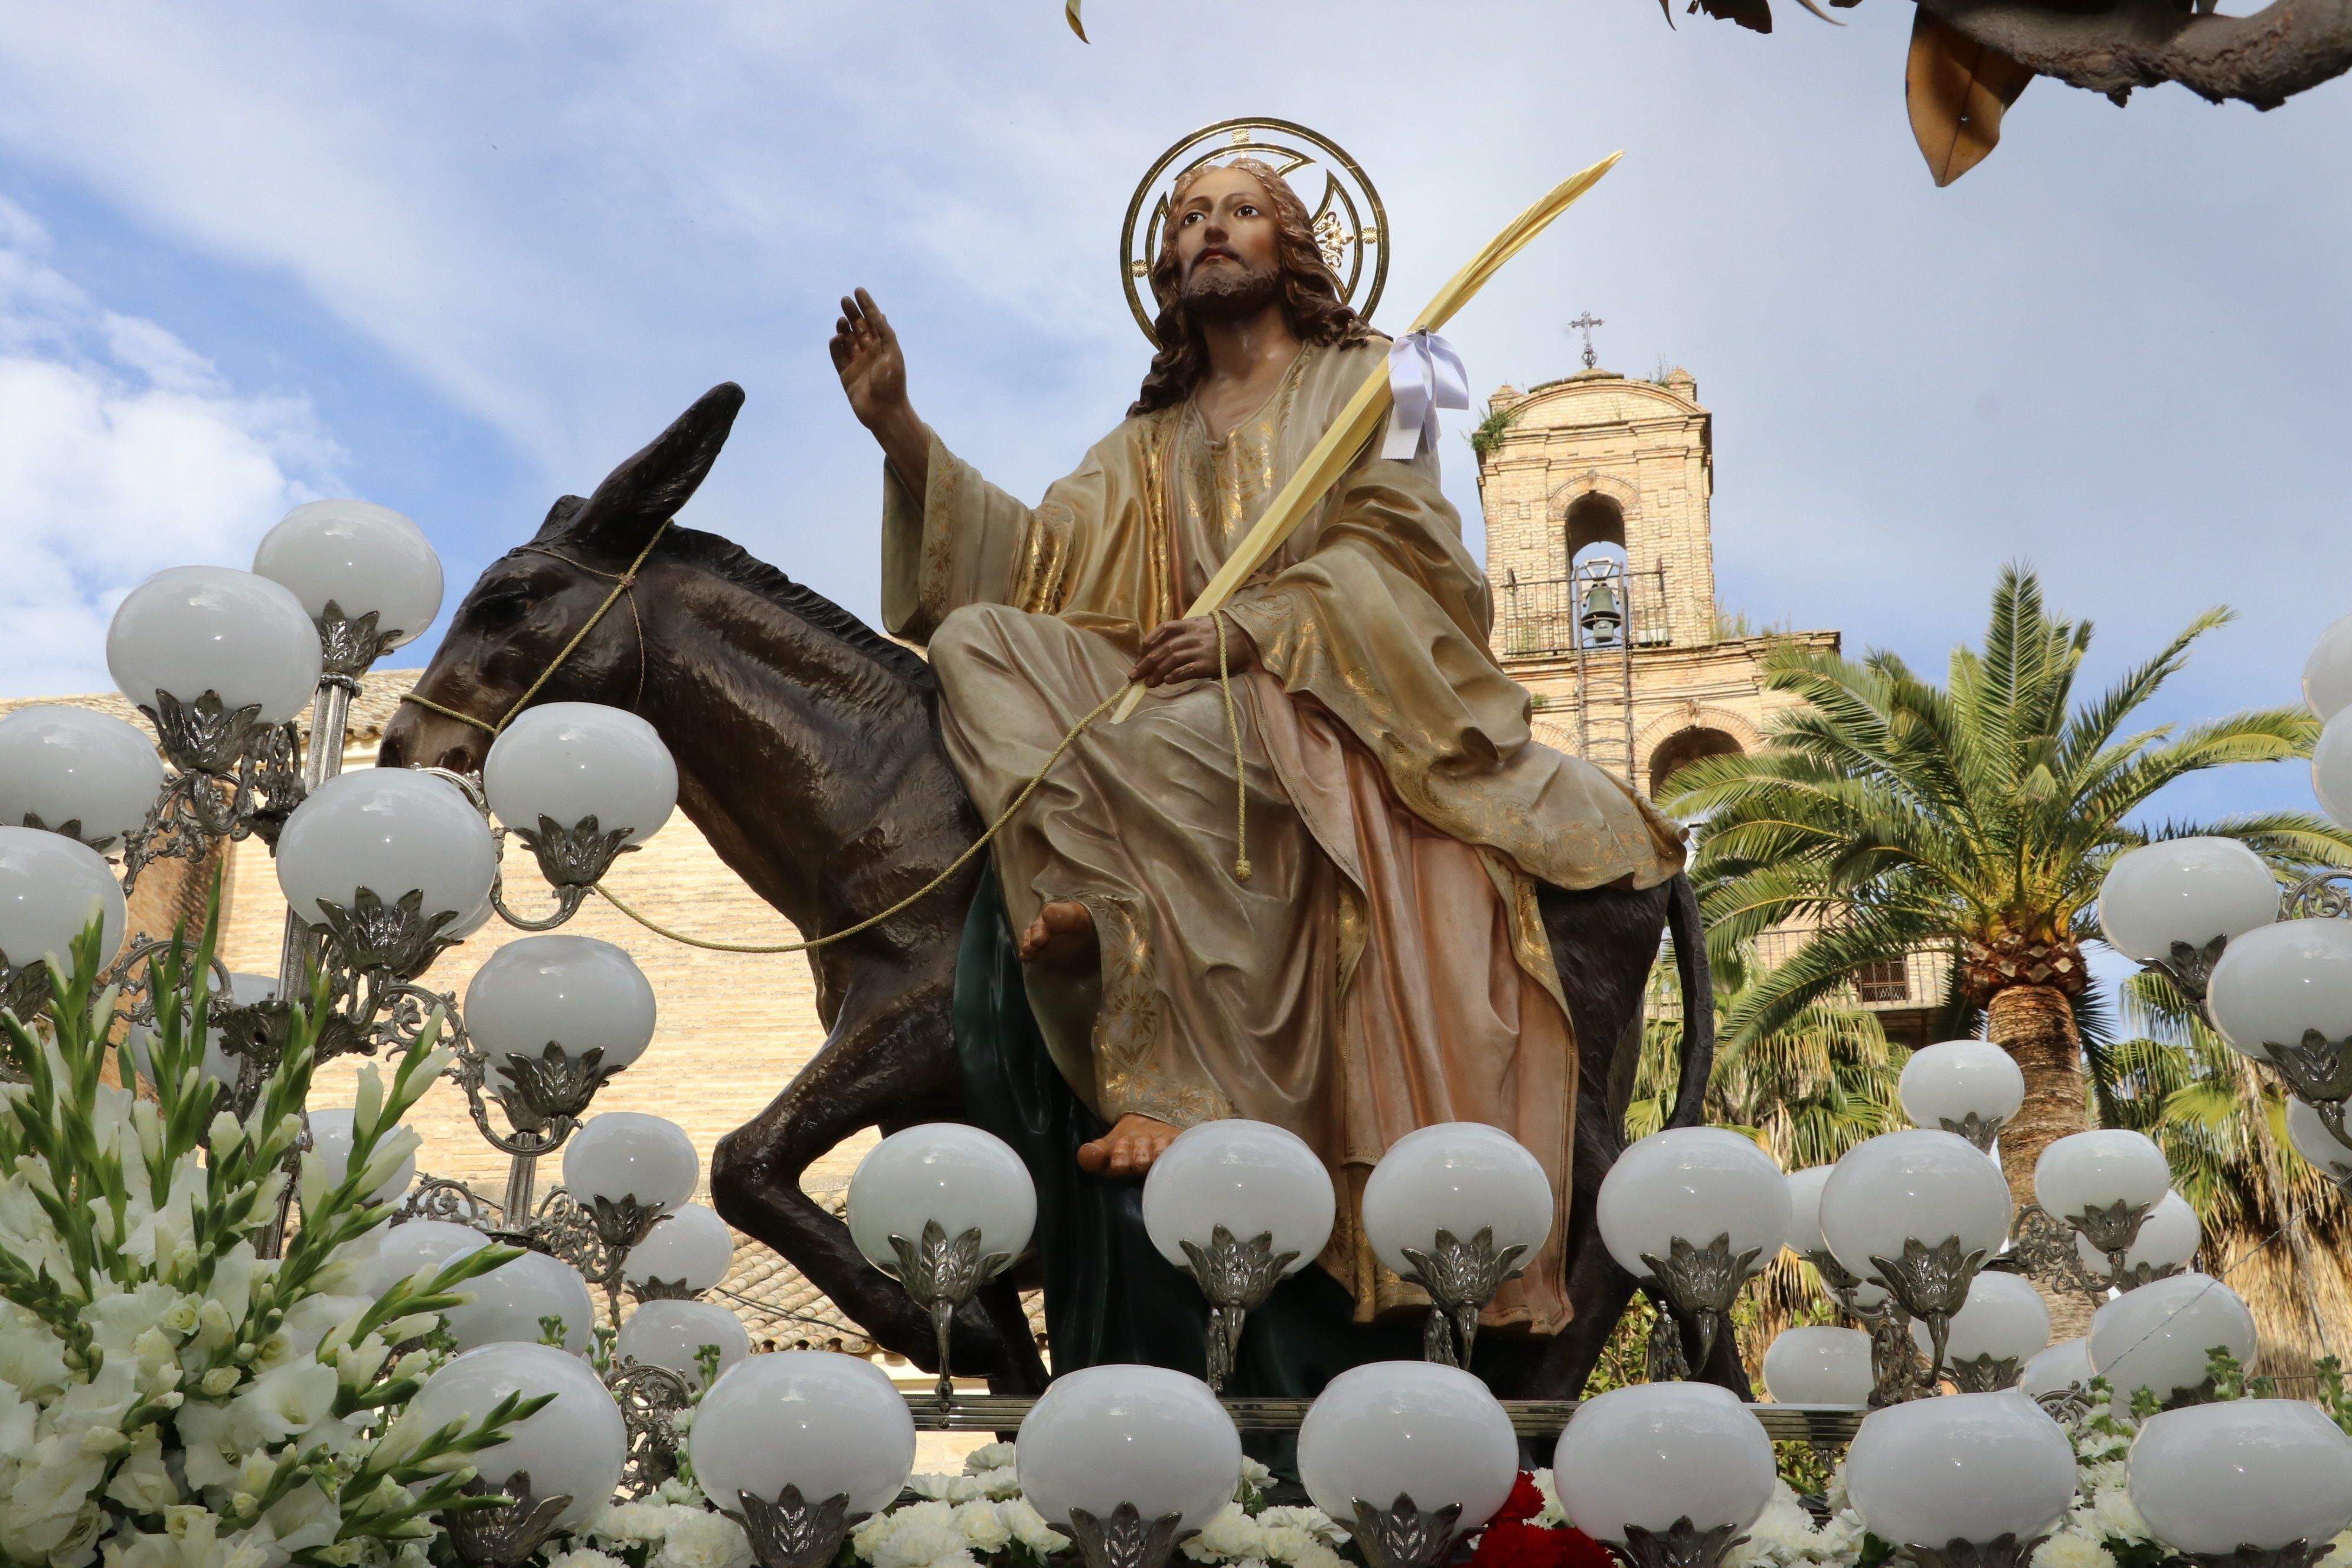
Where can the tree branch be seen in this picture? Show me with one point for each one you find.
(2287, 47)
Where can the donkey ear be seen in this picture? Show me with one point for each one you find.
(647, 489)
(559, 518)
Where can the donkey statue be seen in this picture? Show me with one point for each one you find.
(808, 756)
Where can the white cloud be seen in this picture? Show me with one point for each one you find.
(2117, 349)
(123, 450)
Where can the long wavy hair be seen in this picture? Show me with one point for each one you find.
(1310, 296)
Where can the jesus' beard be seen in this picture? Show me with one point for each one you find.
(1228, 293)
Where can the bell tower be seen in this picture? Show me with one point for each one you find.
(1598, 489)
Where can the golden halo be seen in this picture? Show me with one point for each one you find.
(1351, 224)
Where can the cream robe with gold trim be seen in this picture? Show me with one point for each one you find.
(1383, 966)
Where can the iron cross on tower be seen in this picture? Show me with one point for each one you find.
(1587, 321)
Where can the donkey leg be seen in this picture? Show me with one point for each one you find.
(1604, 942)
(877, 1069)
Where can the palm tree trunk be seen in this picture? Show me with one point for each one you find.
(2035, 1025)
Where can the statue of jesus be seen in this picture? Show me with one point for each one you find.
(1381, 966)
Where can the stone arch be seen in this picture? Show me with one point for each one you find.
(1694, 732)
(1684, 747)
(1592, 508)
(1593, 518)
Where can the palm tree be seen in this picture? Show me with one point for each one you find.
(1808, 1089)
(1889, 816)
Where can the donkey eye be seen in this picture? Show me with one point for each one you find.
(502, 607)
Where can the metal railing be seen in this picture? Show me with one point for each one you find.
(1826, 1424)
(1547, 614)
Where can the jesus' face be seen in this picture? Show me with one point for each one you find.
(1227, 245)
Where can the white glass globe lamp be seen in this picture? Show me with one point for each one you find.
(1695, 1211)
(1105, 1440)
(2327, 674)
(580, 766)
(2268, 1474)
(1239, 1206)
(330, 1141)
(942, 1176)
(1968, 1087)
(1663, 1459)
(1918, 1212)
(510, 1303)
(573, 1447)
(2167, 1242)
(687, 1251)
(1245, 1178)
(1391, 1441)
(555, 1017)
(190, 633)
(1819, 1365)
(1468, 1199)
(2178, 903)
(2004, 1324)
(364, 572)
(417, 1246)
(51, 888)
(2063, 1366)
(2162, 1336)
(2315, 1142)
(2283, 995)
(88, 775)
(1965, 1470)
(628, 1169)
(2102, 1183)
(941, 1207)
(1852, 1293)
(2331, 769)
(407, 844)
(822, 1425)
(674, 1334)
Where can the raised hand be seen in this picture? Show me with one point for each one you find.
(872, 370)
(874, 376)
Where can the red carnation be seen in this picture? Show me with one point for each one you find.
(1515, 1543)
(1526, 1502)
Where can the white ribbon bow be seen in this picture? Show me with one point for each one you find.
(1424, 375)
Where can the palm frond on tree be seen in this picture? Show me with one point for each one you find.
(1888, 815)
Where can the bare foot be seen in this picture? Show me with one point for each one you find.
(1062, 936)
(1127, 1148)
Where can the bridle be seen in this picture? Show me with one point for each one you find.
(623, 583)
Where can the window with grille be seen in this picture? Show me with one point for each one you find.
(1888, 980)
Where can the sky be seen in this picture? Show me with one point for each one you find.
(459, 257)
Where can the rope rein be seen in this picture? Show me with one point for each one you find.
(1234, 728)
(625, 581)
(622, 584)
